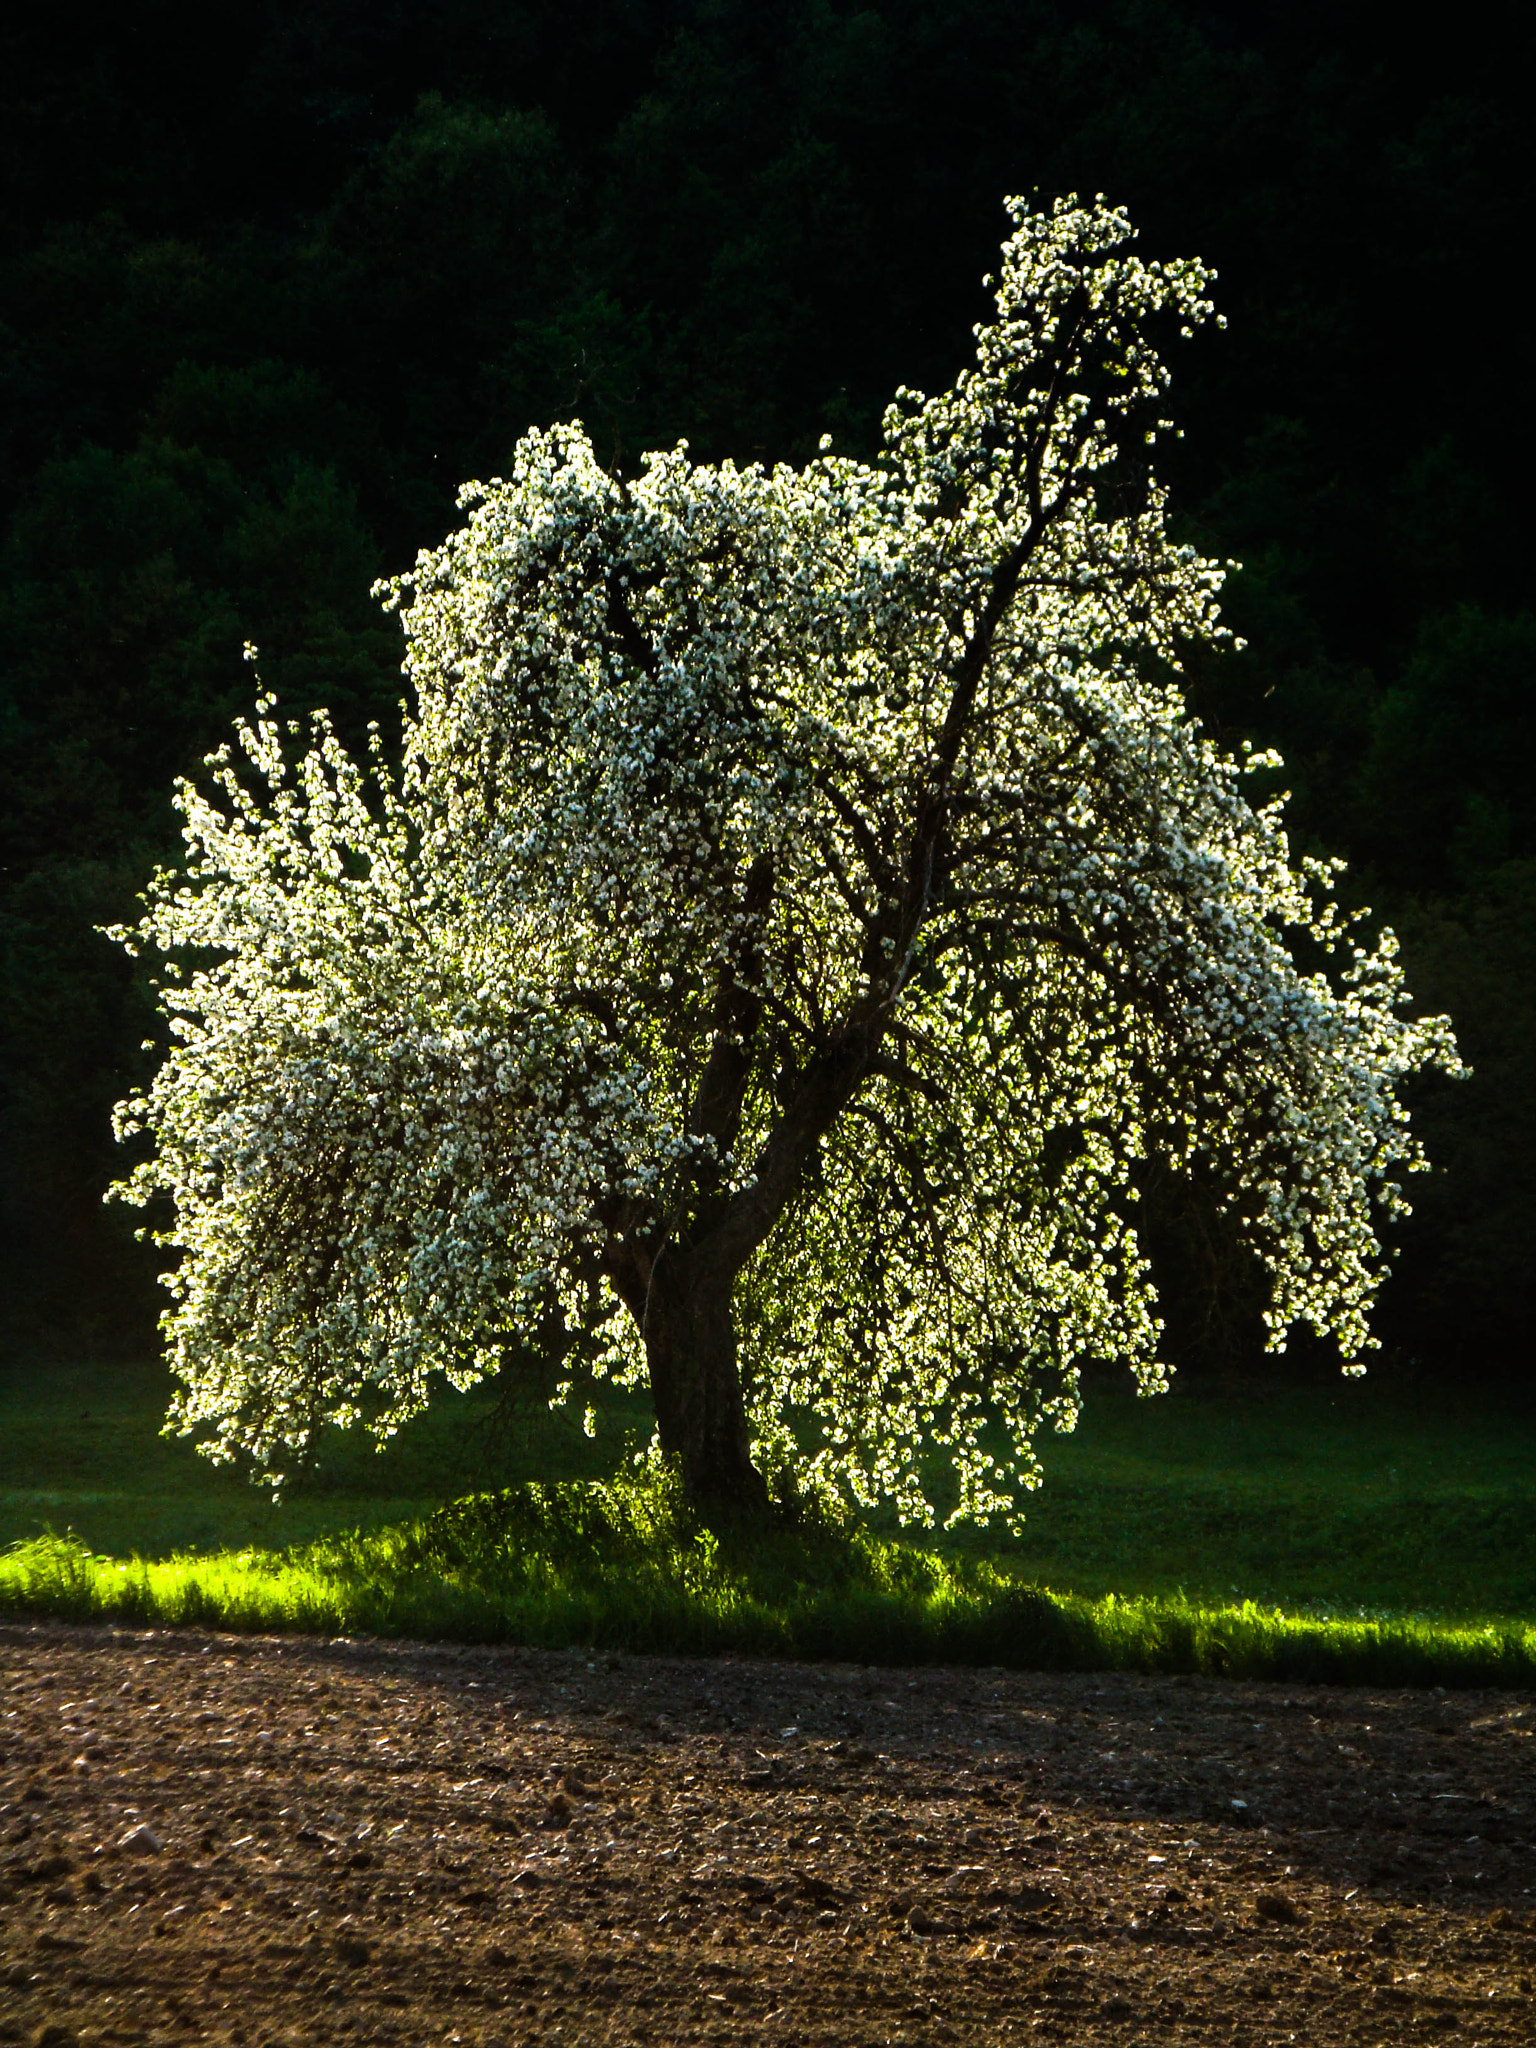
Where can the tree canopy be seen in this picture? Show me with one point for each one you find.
(804, 908)
(271, 285)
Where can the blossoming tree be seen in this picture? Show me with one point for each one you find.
(804, 904)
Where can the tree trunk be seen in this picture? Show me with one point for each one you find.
(690, 1343)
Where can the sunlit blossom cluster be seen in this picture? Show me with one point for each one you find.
(813, 870)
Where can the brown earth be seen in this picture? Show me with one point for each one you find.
(400, 1843)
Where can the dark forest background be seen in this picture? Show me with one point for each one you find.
(275, 278)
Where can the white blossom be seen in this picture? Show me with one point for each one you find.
(810, 876)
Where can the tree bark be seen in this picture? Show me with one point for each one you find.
(690, 1344)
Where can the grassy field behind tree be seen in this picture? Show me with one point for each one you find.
(1357, 1530)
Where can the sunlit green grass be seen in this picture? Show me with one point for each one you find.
(614, 1567)
(1346, 1532)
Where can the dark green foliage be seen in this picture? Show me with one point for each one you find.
(1447, 794)
(1466, 1298)
(273, 284)
(128, 582)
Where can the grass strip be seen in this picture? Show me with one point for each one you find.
(615, 1566)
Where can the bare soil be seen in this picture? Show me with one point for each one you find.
(290, 1841)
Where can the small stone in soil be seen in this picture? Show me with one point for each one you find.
(1276, 1906)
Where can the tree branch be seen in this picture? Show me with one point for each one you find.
(622, 624)
(902, 1076)
(718, 1099)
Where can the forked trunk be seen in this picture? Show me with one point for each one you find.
(690, 1343)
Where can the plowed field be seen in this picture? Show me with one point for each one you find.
(291, 1841)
